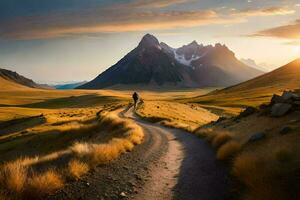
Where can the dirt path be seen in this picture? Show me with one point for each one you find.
(170, 164)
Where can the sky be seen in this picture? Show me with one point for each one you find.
(54, 41)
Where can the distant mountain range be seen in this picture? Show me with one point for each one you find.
(13, 80)
(156, 64)
(252, 63)
(69, 86)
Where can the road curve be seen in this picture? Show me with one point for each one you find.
(169, 164)
(191, 161)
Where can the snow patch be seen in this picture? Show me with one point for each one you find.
(181, 58)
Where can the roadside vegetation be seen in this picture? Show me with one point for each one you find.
(174, 114)
(33, 177)
(263, 152)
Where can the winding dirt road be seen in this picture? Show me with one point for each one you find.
(170, 164)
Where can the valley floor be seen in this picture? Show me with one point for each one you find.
(170, 164)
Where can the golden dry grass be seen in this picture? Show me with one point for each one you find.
(103, 153)
(228, 150)
(259, 177)
(42, 184)
(256, 91)
(77, 169)
(269, 171)
(13, 176)
(174, 114)
(21, 180)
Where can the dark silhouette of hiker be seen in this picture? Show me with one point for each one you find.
(135, 97)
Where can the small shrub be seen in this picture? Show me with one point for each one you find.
(81, 149)
(122, 144)
(228, 150)
(261, 177)
(13, 176)
(103, 153)
(77, 168)
(206, 134)
(40, 185)
(220, 139)
(246, 168)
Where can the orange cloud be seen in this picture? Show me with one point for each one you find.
(136, 16)
(155, 3)
(290, 31)
(50, 27)
(266, 11)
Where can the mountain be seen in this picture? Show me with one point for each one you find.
(12, 80)
(69, 86)
(257, 90)
(157, 64)
(252, 63)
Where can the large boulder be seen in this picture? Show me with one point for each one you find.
(280, 109)
(288, 95)
(277, 99)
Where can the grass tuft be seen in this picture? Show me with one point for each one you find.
(13, 176)
(228, 150)
(42, 184)
(77, 168)
(220, 139)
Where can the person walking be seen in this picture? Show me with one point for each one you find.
(135, 97)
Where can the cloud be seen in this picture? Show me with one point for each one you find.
(107, 20)
(269, 11)
(293, 43)
(138, 15)
(290, 31)
(155, 3)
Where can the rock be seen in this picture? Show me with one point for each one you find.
(256, 137)
(285, 130)
(248, 111)
(221, 119)
(123, 194)
(280, 109)
(276, 99)
(287, 95)
(296, 103)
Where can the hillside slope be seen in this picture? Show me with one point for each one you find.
(257, 90)
(157, 64)
(9, 85)
(10, 80)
